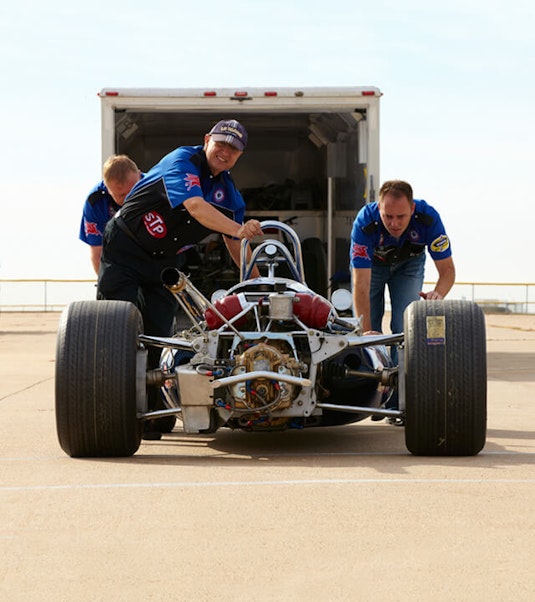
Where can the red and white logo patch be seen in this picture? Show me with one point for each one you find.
(155, 225)
(359, 251)
(91, 229)
(192, 180)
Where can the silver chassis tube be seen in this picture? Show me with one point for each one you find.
(159, 413)
(325, 406)
(238, 378)
(361, 410)
(295, 266)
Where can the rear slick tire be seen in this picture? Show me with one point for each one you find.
(97, 359)
(445, 367)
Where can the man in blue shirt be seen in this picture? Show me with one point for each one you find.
(120, 174)
(388, 243)
(188, 195)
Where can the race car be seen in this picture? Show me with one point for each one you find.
(269, 354)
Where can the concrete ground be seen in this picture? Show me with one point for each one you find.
(328, 514)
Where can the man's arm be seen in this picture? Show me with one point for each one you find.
(213, 219)
(94, 254)
(446, 279)
(361, 280)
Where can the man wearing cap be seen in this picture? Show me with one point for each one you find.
(186, 196)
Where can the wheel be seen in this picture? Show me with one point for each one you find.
(445, 370)
(348, 390)
(97, 364)
(166, 424)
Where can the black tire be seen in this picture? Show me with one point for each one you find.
(166, 424)
(96, 369)
(445, 378)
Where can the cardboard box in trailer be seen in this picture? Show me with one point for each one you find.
(312, 159)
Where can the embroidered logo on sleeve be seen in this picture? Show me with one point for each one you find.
(440, 244)
(359, 251)
(192, 180)
(154, 224)
(91, 229)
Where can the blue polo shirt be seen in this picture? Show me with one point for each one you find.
(99, 208)
(154, 211)
(371, 243)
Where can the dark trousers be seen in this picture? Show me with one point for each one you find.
(128, 273)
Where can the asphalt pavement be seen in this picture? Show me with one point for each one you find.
(343, 513)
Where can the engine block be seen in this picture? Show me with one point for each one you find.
(263, 393)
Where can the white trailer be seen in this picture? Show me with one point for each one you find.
(312, 158)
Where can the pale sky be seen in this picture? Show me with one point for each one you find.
(457, 115)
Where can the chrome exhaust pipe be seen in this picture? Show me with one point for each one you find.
(192, 301)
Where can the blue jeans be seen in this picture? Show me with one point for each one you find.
(404, 281)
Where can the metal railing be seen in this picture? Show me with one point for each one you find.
(43, 294)
(52, 294)
(498, 297)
